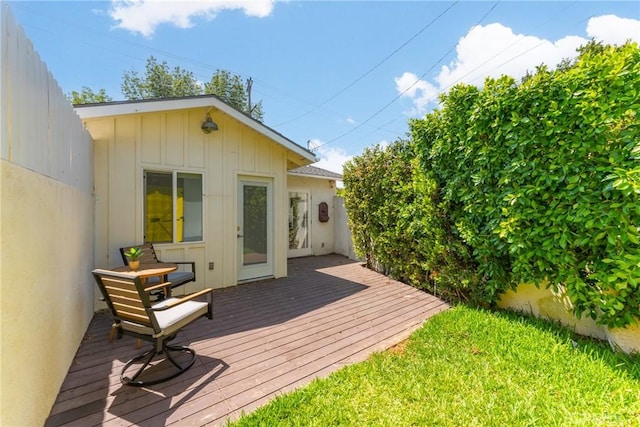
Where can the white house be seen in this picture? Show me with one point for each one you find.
(237, 200)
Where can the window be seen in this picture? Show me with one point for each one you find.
(173, 207)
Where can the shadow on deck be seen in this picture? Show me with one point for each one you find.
(266, 338)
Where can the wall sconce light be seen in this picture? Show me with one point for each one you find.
(208, 125)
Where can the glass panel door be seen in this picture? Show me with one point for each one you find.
(255, 230)
(299, 236)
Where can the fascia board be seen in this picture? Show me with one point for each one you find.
(306, 175)
(118, 109)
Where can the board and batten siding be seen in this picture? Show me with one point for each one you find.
(127, 145)
(46, 231)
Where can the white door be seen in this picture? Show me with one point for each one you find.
(255, 229)
(299, 223)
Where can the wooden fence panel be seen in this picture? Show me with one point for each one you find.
(40, 129)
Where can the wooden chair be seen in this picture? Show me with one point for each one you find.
(149, 256)
(135, 315)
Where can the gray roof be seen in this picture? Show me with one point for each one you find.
(315, 172)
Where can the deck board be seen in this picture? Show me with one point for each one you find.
(266, 338)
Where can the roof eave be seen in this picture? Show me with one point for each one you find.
(307, 175)
(92, 111)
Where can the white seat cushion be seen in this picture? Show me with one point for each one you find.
(171, 320)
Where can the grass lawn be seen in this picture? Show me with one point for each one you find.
(469, 367)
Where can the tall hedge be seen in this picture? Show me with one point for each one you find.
(535, 181)
(398, 225)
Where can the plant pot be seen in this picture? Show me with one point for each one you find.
(134, 265)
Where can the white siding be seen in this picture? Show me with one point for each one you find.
(171, 140)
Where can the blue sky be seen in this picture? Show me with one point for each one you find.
(342, 75)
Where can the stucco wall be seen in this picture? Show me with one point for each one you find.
(127, 145)
(46, 231)
(544, 302)
(47, 292)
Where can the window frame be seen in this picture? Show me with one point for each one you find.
(174, 204)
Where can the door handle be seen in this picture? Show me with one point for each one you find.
(240, 235)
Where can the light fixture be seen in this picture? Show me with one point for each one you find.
(208, 125)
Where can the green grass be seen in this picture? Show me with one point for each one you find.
(469, 367)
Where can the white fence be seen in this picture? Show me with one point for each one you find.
(343, 241)
(39, 129)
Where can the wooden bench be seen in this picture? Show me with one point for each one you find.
(149, 256)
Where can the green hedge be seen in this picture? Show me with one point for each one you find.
(521, 182)
(398, 225)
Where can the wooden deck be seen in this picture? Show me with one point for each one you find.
(266, 338)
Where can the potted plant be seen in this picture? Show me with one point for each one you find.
(133, 257)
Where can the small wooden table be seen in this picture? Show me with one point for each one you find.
(147, 271)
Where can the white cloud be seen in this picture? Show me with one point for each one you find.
(143, 16)
(422, 92)
(613, 30)
(331, 158)
(494, 50)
